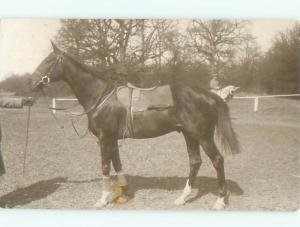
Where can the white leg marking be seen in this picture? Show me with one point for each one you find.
(105, 199)
(186, 192)
(219, 204)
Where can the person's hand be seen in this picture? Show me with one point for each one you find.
(28, 101)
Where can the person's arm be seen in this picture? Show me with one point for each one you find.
(15, 102)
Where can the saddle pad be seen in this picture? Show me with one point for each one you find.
(144, 99)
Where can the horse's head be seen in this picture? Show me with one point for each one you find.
(231, 91)
(227, 93)
(49, 70)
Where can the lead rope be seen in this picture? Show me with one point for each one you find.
(75, 129)
(26, 140)
(57, 121)
(51, 112)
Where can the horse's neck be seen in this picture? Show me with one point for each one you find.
(85, 86)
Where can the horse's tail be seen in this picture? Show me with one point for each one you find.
(228, 139)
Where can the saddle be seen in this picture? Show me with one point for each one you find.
(137, 99)
(141, 99)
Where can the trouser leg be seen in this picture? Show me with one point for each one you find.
(2, 167)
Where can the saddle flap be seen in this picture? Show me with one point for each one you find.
(144, 99)
(159, 97)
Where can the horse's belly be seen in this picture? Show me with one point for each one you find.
(152, 123)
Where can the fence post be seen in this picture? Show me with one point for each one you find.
(53, 105)
(255, 104)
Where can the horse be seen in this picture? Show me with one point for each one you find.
(226, 93)
(196, 114)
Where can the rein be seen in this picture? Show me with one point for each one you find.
(98, 104)
(100, 101)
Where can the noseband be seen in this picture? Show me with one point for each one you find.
(45, 77)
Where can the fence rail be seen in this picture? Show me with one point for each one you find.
(54, 100)
(255, 105)
(256, 98)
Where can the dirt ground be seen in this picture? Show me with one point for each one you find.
(64, 171)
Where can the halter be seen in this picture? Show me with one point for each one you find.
(45, 77)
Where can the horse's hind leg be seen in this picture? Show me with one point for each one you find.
(195, 162)
(217, 160)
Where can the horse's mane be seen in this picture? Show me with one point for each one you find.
(103, 74)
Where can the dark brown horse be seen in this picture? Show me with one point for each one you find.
(196, 113)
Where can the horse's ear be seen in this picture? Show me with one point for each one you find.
(236, 88)
(55, 48)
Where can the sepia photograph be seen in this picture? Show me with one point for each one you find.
(150, 114)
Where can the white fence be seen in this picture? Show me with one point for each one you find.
(256, 98)
(255, 106)
(54, 100)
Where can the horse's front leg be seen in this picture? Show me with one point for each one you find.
(120, 189)
(106, 147)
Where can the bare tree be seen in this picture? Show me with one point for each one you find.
(99, 42)
(107, 42)
(215, 41)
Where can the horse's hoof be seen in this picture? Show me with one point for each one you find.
(104, 201)
(101, 203)
(219, 205)
(116, 192)
(179, 201)
(121, 199)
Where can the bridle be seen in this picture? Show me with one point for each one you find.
(45, 77)
(45, 80)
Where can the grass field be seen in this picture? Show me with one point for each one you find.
(64, 171)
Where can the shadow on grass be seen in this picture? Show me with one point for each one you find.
(33, 192)
(205, 185)
(42, 189)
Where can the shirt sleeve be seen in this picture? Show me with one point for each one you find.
(11, 102)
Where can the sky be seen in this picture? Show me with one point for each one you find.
(25, 42)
